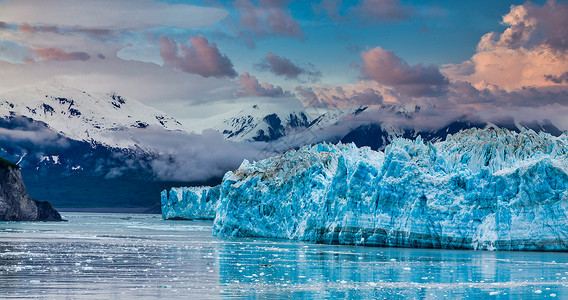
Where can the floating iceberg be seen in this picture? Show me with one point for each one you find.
(479, 189)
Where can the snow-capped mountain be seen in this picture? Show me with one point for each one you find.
(269, 122)
(365, 126)
(84, 116)
(66, 137)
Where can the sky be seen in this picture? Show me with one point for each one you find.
(197, 59)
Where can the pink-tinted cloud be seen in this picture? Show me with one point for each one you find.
(530, 52)
(531, 25)
(27, 28)
(339, 96)
(267, 18)
(368, 96)
(383, 10)
(92, 33)
(251, 86)
(200, 58)
(58, 54)
(462, 100)
(386, 68)
(282, 66)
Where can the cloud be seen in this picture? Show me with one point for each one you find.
(13, 51)
(267, 18)
(331, 8)
(41, 37)
(174, 92)
(282, 66)
(386, 68)
(97, 33)
(309, 98)
(193, 157)
(251, 86)
(558, 79)
(16, 131)
(530, 26)
(462, 69)
(340, 96)
(126, 14)
(172, 155)
(366, 97)
(200, 58)
(383, 10)
(367, 11)
(27, 28)
(530, 52)
(58, 54)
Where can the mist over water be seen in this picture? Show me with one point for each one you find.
(125, 256)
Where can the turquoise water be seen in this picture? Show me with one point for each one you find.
(122, 256)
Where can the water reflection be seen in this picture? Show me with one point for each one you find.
(338, 272)
(112, 256)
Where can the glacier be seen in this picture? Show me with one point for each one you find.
(190, 203)
(490, 189)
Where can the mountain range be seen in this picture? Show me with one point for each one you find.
(84, 150)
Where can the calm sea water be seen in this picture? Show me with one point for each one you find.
(108, 256)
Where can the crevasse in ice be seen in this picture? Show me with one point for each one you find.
(479, 189)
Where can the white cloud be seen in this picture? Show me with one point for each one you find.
(531, 49)
(123, 14)
(172, 91)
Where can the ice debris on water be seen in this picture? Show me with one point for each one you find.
(488, 189)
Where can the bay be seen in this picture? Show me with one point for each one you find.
(124, 256)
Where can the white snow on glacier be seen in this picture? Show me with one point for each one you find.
(479, 189)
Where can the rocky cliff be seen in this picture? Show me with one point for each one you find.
(15, 203)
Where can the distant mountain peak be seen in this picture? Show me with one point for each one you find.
(84, 116)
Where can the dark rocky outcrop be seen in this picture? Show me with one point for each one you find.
(15, 203)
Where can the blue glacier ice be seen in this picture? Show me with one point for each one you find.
(190, 203)
(479, 189)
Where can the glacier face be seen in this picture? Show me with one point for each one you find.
(479, 189)
(190, 203)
